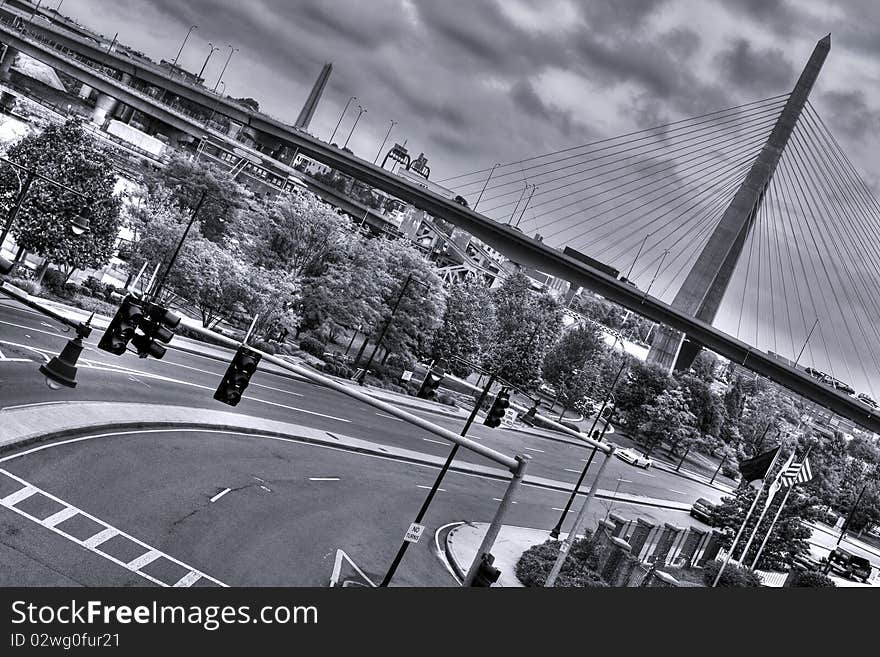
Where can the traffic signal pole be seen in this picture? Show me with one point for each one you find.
(192, 220)
(421, 514)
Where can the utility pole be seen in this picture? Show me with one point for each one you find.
(192, 219)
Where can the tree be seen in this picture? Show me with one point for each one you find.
(526, 323)
(69, 155)
(468, 323)
(703, 403)
(704, 366)
(667, 420)
(187, 179)
(644, 382)
(573, 364)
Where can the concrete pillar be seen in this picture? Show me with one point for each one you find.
(6, 62)
(601, 538)
(664, 545)
(85, 91)
(713, 546)
(640, 535)
(619, 525)
(626, 572)
(692, 541)
(613, 559)
(104, 106)
(124, 112)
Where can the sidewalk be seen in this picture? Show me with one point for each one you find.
(51, 421)
(463, 541)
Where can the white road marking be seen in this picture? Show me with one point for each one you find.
(553, 508)
(439, 490)
(220, 494)
(97, 539)
(60, 516)
(532, 449)
(438, 442)
(268, 490)
(440, 553)
(390, 417)
(45, 353)
(18, 496)
(498, 499)
(146, 558)
(46, 324)
(570, 470)
(188, 580)
(645, 474)
(680, 492)
(323, 478)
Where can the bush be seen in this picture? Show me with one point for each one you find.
(266, 347)
(313, 346)
(443, 398)
(578, 571)
(736, 576)
(812, 579)
(26, 284)
(91, 305)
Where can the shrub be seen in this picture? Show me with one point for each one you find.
(26, 284)
(91, 305)
(444, 398)
(578, 571)
(812, 579)
(266, 347)
(313, 346)
(736, 576)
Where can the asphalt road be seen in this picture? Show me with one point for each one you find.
(244, 510)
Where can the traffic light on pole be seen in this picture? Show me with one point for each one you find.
(157, 325)
(502, 401)
(122, 327)
(429, 386)
(237, 376)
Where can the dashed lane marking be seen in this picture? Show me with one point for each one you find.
(570, 470)
(93, 543)
(553, 508)
(439, 490)
(438, 442)
(498, 499)
(323, 478)
(533, 449)
(390, 417)
(220, 494)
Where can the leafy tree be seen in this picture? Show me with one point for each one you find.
(704, 366)
(69, 155)
(571, 366)
(668, 420)
(526, 323)
(703, 403)
(643, 383)
(187, 179)
(296, 232)
(468, 323)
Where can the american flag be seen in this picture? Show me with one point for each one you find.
(796, 473)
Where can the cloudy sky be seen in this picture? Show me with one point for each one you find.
(473, 82)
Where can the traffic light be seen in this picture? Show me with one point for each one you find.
(487, 574)
(502, 401)
(237, 376)
(157, 325)
(122, 327)
(429, 386)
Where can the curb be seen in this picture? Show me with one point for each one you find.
(447, 548)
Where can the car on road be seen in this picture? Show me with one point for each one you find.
(848, 564)
(862, 397)
(633, 457)
(702, 510)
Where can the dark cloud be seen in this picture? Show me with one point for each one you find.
(765, 71)
(851, 115)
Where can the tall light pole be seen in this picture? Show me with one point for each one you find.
(174, 63)
(232, 51)
(361, 111)
(387, 134)
(518, 201)
(341, 116)
(494, 166)
(528, 200)
(213, 50)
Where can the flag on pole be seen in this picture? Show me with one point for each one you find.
(797, 473)
(755, 468)
(776, 484)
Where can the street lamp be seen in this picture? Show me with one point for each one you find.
(341, 116)
(213, 50)
(519, 200)
(361, 110)
(491, 171)
(232, 51)
(529, 200)
(174, 63)
(387, 134)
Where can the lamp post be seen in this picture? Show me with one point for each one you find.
(387, 134)
(174, 63)
(213, 50)
(385, 328)
(528, 200)
(486, 184)
(232, 51)
(189, 224)
(558, 528)
(341, 116)
(361, 111)
(850, 514)
(518, 201)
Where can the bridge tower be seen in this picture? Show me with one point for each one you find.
(702, 291)
(308, 110)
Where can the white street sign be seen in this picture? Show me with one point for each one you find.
(414, 533)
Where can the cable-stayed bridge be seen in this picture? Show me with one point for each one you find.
(795, 226)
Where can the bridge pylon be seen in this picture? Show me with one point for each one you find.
(703, 289)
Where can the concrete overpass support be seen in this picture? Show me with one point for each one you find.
(7, 62)
(104, 107)
(85, 91)
(703, 289)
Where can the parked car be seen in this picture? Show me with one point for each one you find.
(632, 456)
(702, 510)
(849, 565)
(862, 397)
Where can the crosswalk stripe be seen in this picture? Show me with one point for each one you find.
(61, 516)
(188, 580)
(18, 496)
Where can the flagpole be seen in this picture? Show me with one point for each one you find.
(772, 525)
(743, 525)
(772, 489)
(779, 510)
